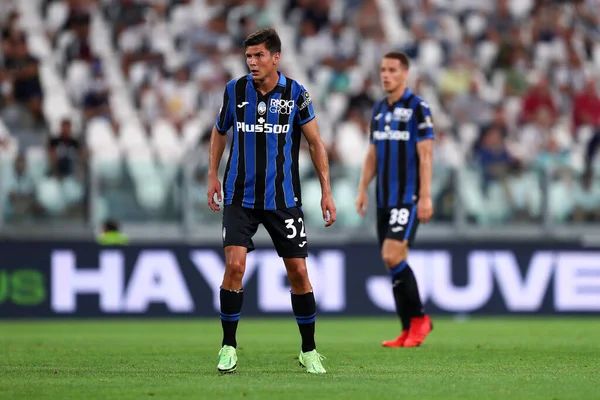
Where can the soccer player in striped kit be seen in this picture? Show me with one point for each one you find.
(269, 113)
(400, 158)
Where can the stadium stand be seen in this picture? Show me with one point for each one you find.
(107, 105)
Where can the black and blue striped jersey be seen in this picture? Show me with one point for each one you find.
(395, 131)
(262, 170)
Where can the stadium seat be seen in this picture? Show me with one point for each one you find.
(39, 46)
(166, 142)
(596, 55)
(469, 191)
(151, 195)
(440, 177)
(520, 8)
(49, 77)
(78, 76)
(526, 193)
(311, 204)
(100, 136)
(100, 210)
(486, 53)
(72, 190)
(587, 200)
(560, 201)
(56, 106)
(49, 194)
(121, 105)
(496, 205)
(132, 137)
(108, 167)
(100, 38)
(37, 162)
(191, 133)
(336, 106)
(344, 195)
(141, 166)
(430, 54)
(58, 12)
(467, 134)
(138, 73)
(475, 24)
(7, 157)
(106, 160)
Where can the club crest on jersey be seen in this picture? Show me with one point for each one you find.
(262, 108)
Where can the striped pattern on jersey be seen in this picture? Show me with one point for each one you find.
(395, 131)
(262, 170)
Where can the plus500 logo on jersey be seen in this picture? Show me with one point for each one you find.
(391, 135)
(264, 128)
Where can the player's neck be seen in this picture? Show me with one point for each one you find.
(266, 85)
(394, 96)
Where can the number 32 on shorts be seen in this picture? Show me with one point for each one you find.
(289, 225)
(398, 219)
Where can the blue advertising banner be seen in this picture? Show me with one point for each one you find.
(42, 279)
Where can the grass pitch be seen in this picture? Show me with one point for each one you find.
(525, 358)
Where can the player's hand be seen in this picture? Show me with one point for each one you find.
(328, 209)
(214, 188)
(425, 209)
(362, 202)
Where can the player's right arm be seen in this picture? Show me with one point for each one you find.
(218, 141)
(369, 171)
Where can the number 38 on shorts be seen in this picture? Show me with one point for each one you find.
(398, 223)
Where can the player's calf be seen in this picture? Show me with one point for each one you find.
(415, 325)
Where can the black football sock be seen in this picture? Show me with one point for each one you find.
(305, 310)
(411, 293)
(399, 290)
(231, 309)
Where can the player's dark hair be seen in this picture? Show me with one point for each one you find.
(397, 55)
(267, 36)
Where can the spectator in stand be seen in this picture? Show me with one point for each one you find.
(95, 100)
(21, 81)
(493, 157)
(536, 98)
(586, 113)
(21, 192)
(65, 151)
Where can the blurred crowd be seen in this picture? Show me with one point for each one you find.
(112, 101)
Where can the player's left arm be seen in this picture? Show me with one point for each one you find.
(425, 139)
(318, 154)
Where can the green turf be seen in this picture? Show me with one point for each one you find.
(527, 358)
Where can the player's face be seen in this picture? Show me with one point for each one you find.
(393, 74)
(260, 61)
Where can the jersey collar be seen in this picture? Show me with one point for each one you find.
(407, 93)
(280, 85)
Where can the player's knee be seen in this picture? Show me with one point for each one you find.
(235, 269)
(393, 255)
(298, 274)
